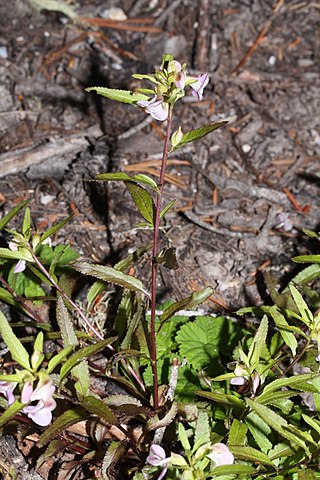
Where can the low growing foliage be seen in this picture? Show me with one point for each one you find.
(148, 391)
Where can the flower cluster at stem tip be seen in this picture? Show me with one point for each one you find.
(41, 411)
(170, 81)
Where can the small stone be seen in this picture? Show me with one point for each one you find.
(246, 148)
(3, 51)
(114, 13)
(272, 60)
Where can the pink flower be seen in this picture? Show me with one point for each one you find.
(7, 389)
(158, 109)
(221, 455)
(21, 264)
(199, 85)
(157, 458)
(41, 413)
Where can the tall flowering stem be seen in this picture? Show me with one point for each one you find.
(153, 342)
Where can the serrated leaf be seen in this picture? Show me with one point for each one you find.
(117, 400)
(167, 208)
(197, 298)
(250, 454)
(307, 259)
(113, 454)
(6, 219)
(259, 430)
(237, 433)
(17, 350)
(26, 225)
(108, 274)
(81, 374)
(98, 407)
(202, 429)
(308, 274)
(53, 448)
(143, 201)
(273, 398)
(124, 96)
(142, 76)
(303, 308)
(282, 324)
(51, 231)
(183, 437)
(259, 343)
(224, 398)
(83, 353)
(10, 412)
(281, 450)
(277, 423)
(68, 418)
(199, 340)
(198, 133)
(117, 176)
(154, 423)
(64, 320)
(312, 422)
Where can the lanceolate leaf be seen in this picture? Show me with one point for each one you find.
(307, 259)
(238, 432)
(294, 382)
(198, 133)
(99, 408)
(259, 430)
(118, 176)
(250, 454)
(197, 298)
(17, 350)
(232, 470)
(6, 219)
(131, 258)
(84, 353)
(68, 418)
(65, 324)
(111, 275)
(282, 324)
(124, 96)
(55, 228)
(277, 423)
(10, 412)
(143, 201)
(154, 423)
(259, 343)
(114, 453)
(225, 399)
(304, 311)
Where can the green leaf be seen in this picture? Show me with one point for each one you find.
(250, 454)
(307, 259)
(142, 178)
(17, 350)
(277, 423)
(26, 225)
(57, 359)
(131, 258)
(124, 96)
(68, 418)
(118, 176)
(168, 259)
(232, 470)
(98, 407)
(64, 320)
(114, 453)
(199, 341)
(51, 231)
(16, 255)
(167, 208)
(308, 274)
(202, 430)
(281, 450)
(108, 274)
(294, 381)
(238, 432)
(222, 398)
(96, 288)
(10, 412)
(143, 201)
(83, 353)
(259, 343)
(142, 76)
(6, 219)
(303, 308)
(282, 324)
(198, 133)
(183, 437)
(197, 298)
(259, 430)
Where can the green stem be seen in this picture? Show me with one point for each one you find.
(153, 343)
